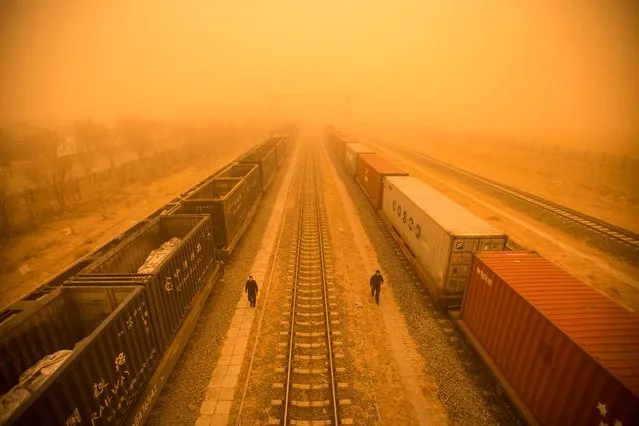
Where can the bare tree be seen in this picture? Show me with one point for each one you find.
(135, 133)
(49, 167)
(59, 173)
(105, 143)
(35, 172)
(7, 152)
(86, 137)
(36, 149)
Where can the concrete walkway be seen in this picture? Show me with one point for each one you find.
(221, 389)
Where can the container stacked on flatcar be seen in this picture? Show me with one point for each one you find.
(440, 234)
(79, 355)
(330, 133)
(352, 151)
(230, 198)
(530, 319)
(339, 145)
(372, 169)
(570, 354)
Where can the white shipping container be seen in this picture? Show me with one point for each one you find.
(441, 234)
(352, 151)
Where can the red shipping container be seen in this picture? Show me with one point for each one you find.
(570, 353)
(371, 170)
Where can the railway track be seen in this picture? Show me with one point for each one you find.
(306, 372)
(310, 388)
(623, 237)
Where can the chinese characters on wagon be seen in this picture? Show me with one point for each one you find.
(141, 315)
(181, 275)
(74, 419)
(112, 398)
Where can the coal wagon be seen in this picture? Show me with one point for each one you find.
(184, 260)
(231, 199)
(78, 355)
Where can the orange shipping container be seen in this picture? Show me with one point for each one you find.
(371, 170)
(570, 353)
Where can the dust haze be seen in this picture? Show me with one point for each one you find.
(557, 72)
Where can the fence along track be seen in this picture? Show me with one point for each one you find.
(622, 236)
(310, 388)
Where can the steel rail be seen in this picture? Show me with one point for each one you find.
(298, 255)
(311, 200)
(329, 345)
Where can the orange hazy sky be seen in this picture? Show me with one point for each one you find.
(538, 68)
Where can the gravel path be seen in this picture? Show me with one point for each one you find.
(184, 392)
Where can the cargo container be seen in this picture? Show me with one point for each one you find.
(266, 159)
(570, 354)
(339, 144)
(199, 184)
(331, 139)
(351, 152)
(230, 199)
(441, 234)
(280, 143)
(205, 180)
(110, 352)
(371, 172)
(174, 282)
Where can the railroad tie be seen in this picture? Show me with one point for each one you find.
(310, 370)
(310, 387)
(309, 314)
(309, 345)
(314, 334)
(323, 403)
(309, 324)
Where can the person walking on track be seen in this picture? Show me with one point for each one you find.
(376, 285)
(251, 289)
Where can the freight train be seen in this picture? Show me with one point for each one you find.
(563, 352)
(94, 344)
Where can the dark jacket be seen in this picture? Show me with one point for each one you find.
(377, 280)
(251, 286)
